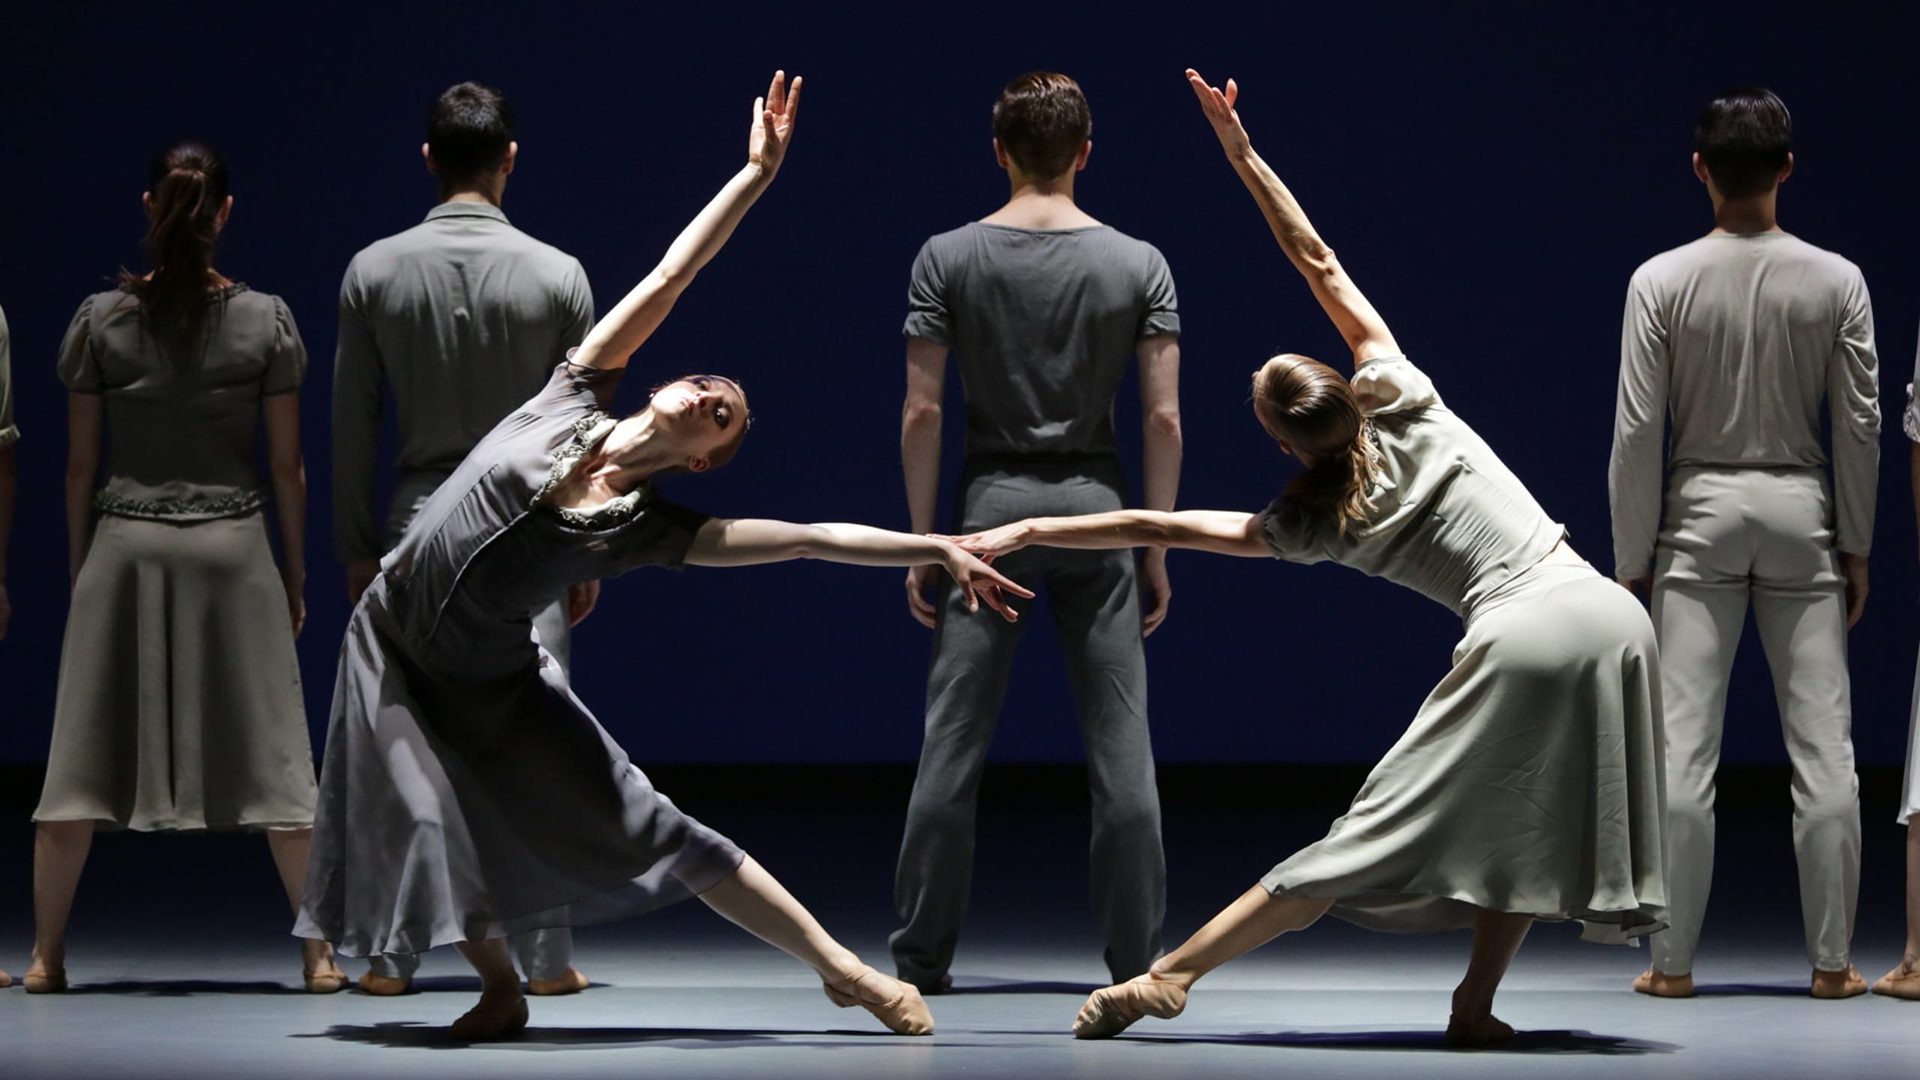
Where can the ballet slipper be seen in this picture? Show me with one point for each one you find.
(904, 1012)
(569, 981)
(1838, 985)
(1902, 982)
(324, 982)
(6, 980)
(496, 1017)
(46, 980)
(1658, 984)
(384, 985)
(1110, 1011)
(1464, 1034)
(318, 971)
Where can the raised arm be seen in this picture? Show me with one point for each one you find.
(1223, 532)
(750, 541)
(634, 319)
(1365, 332)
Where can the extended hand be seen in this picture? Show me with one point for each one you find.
(992, 543)
(979, 582)
(773, 118)
(918, 605)
(1218, 105)
(1159, 588)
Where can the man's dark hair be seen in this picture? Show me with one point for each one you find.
(468, 131)
(1743, 137)
(1042, 120)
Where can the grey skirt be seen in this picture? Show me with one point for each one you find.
(179, 701)
(1531, 781)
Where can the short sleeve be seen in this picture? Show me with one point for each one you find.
(927, 316)
(1391, 384)
(79, 366)
(1289, 533)
(666, 534)
(578, 385)
(9, 433)
(287, 366)
(1162, 312)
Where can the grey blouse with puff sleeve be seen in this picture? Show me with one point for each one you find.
(182, 432)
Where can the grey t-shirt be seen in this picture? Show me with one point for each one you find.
(1741, 337)
(1043, 322)
(462, 317)
(9, 434)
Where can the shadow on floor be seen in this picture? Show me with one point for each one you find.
(411, 1034)
(1751, 990)
(1525, 1042)
(184, 987)
(1015, 986)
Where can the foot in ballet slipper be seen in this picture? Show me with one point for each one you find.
(1902, 982)
(897, 1005)
(6, 980)
(1838, 985)
(384, 985)
(45, 978)
(318, 971)
(500, 1015)
(1658, 984)
(1111, 1011)
(569, 981)
(1477, 1033)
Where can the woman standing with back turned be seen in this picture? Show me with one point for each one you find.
(179, 701)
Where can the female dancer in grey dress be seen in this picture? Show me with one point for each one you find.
(1904, 980)
(466, 793)
(1529, 784)
(179, 696)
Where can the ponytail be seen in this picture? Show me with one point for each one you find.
(1312, 410)
(188, 186)
(1335, 486)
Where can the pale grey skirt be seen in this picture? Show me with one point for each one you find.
(179, 700)
(1910, 797)
(1532, 780)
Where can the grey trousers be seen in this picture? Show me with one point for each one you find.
(1760, 536)
(1094, 600)
(543, 954)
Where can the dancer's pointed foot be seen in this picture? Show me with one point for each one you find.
(1835, 985)
(379, 985)
(898, 1005)
(1110, 1011)
(1901, 982)
(318, 970)
(569, 981)
(1655, 983)
(501, 1014)
(1473, 1034)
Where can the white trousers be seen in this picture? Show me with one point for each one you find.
(1730, 538)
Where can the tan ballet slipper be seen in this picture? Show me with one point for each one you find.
(904, 1011)
(1838, 985)
(492, 1019)
(569, 981)
(1902, 982)
(1475, 1034)
(1110, 1011)
(384, 985)
(1655, 984)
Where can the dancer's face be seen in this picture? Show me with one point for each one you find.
(704, 415)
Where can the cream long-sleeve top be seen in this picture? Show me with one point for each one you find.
(1740, 337)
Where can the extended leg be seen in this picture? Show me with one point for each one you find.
(752, 900)
(1251, 921)
(1096, 610)
(1496, 937)
(290, 848)
(1699, 629)
(59, 854)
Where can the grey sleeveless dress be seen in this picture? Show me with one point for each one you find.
(465, 792)
(1532, 779)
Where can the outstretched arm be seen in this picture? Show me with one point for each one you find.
(1224, 532)
(750, 541)
(1365, 332)
(634, 319)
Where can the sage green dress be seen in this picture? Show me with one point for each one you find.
(179, 701)
(1532, 778)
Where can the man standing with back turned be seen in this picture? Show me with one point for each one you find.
(1740, 334)
(462, 318)
(1043, 305)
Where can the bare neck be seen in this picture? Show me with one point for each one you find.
(489, 195)
(1749, 214)
(1042, 204)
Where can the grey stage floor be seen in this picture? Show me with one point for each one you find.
(180, 971)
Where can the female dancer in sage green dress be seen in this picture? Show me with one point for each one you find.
(1529, 784)
(467, 793)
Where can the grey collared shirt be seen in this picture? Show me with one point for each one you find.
(462, 317)
(1741, 337)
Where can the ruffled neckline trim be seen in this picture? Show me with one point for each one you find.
(588, 432)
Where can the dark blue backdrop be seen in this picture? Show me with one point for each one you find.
(1491, 174)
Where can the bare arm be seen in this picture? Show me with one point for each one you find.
(752, 541)
(1161, 447)
(920, 420)
(84, 412)
(1365, 332)
(289, 472)
(1223, 532)
(634, 319)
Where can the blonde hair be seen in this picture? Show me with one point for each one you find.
(1312, 409)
